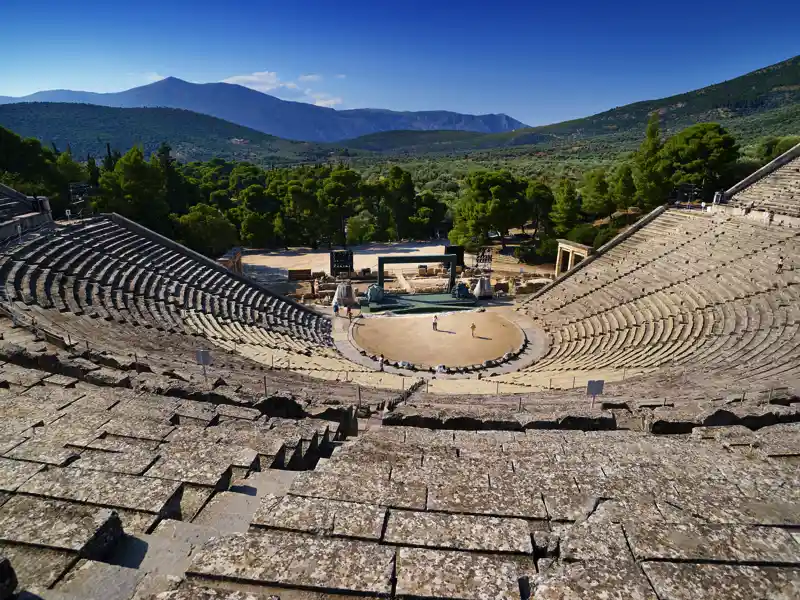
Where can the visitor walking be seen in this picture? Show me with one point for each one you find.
(336, 308)
(349, 313)
(381, 360)
(780, 265)
(472, 329)
(435, 323)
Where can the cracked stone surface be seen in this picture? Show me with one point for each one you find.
(590, 541)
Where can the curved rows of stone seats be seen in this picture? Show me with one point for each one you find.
(88, 469)
(778, 191)
(415, 513)
(102, 269)
(686, 290)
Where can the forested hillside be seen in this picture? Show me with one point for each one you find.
(87, 129)
(764, 102)
(215, 204)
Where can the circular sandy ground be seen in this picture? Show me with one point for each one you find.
(411, 338)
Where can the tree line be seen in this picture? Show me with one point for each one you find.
(214, 205)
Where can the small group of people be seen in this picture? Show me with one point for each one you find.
(436, 325)
(349, 311)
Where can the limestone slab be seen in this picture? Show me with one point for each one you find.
(37, 568)
(143, 428)
(504, 499)
(40, 451)
(195, 592)
(606, 580)
(461, 532)
(363, 521)
(13, 473)
(363, 490)
(193, 499)
(283, 558)
(456, 575)
(9, 442)
(136, 522)
(683, 581)
(91, 580)
(320, 515)
(146, 494)
(237, 412)
(131, 463)
(86, 530)
(199, 467)
(693, 541)
(590, 541)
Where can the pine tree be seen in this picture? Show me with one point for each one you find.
(566, 207)
(651, 185)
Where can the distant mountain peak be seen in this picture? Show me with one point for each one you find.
(282, 118)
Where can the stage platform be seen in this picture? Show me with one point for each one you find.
(406, 304)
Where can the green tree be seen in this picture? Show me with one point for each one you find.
(70, 171)
(566, 207)
(652, 187)
(360, 228)
(539, 198)
(700, 156)
(596, 198)
(501, 197)
(258, 230)
(134, 189)
(93, 171)
(178, 192)
(400, 195)
(111, 158)
(205, 229)
(623, 188)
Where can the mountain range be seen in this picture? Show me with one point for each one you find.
(760, 103)
(273, 116)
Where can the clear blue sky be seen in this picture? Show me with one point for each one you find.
(538, 62)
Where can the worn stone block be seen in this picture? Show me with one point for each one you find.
(146, 494)
(199, 467)
(457, 575)
(13, 473)
(462, 532)
(282, 558)
(129, 462)
(692, 541)
(682, 581)
(607, 580)
(87, 530)
(41, 451)
(91, 580)
(588, 541)
(37, 568)
(506, 499)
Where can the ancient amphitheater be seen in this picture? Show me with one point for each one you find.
(287, 470)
